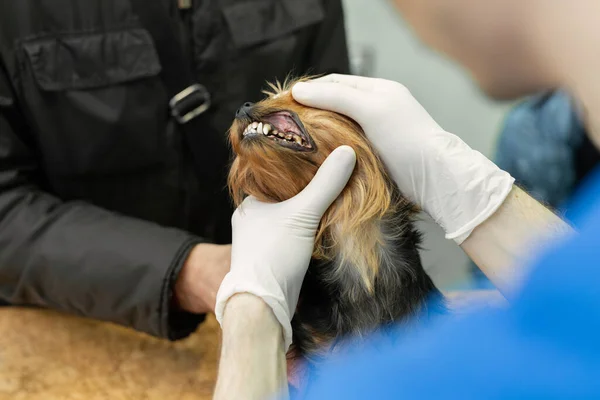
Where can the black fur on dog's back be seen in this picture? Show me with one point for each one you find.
(337, 304)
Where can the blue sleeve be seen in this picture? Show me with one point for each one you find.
(546, 345)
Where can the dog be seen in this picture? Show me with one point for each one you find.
(366, 271)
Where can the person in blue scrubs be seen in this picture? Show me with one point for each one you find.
(545, 145)
(545, 344)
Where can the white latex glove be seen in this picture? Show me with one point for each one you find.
(456, 185)
(273, 242)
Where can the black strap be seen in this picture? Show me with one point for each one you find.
(163, 25)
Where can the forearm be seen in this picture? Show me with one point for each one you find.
(503, 244)
(78, 258)
(253, 364)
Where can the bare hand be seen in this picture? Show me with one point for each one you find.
(198, 283)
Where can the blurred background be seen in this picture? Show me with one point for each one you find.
(386, 48)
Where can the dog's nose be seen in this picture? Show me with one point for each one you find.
(244, 111)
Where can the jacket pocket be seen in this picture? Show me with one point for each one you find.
(244, 32)
(255, 22)
(95, 100)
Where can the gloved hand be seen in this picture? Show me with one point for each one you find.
(456, 185)
(273, 242)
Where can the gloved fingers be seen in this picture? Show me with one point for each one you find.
(330, 96)
(328, 183)
(356, 82)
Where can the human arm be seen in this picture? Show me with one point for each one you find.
(456, 185)
(517, 231)
(81, 259)
(543, 346)
(271, 250)
(252, 338)
(196, 286)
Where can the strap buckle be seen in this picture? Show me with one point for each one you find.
(189, 103)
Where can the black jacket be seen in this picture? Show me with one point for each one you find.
(99, 204)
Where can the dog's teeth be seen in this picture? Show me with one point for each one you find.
(255, 125)
(260, 127)
(289, 137)
(281, 134)
(266, 129)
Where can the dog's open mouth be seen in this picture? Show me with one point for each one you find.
(283, 127)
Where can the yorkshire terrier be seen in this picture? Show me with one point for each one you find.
(366, 271)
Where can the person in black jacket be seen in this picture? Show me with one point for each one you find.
(104, 210)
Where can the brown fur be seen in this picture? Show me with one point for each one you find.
(366, 199)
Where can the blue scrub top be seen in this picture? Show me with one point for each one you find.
(546, 345)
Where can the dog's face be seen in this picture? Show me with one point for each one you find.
(366, 271)
(279, 145)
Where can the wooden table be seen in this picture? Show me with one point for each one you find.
(45, 355)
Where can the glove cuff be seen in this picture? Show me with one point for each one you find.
(496, 199)
(467, 188)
